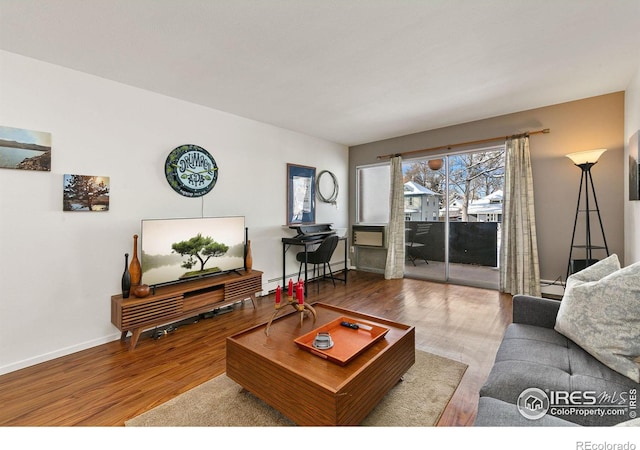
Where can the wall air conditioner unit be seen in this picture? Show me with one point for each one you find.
(369, 236)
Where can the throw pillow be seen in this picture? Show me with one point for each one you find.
(596, 271)
(603, 317)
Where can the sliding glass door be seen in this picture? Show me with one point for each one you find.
(453, 212)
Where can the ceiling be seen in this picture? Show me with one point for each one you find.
(348, 71)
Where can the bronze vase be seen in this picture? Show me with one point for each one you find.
(248, 259)
(134, 268)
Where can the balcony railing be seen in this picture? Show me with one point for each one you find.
(469, 242)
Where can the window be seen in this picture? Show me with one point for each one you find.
(372, 198)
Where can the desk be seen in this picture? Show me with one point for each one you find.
(307, 243)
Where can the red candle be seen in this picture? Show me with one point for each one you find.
(290, 290)
(278, 293)
(300, 292)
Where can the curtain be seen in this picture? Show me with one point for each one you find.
(519, 267)
(394, 267)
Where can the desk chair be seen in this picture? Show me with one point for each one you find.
(321, 255)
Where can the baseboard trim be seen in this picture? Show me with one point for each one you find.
(57, 354)
(552, 289)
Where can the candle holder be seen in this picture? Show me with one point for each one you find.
(298, 304)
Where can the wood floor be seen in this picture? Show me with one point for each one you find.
(107, 385)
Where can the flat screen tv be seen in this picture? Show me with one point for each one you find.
(174, 250)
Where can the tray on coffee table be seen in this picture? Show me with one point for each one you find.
(347, 342)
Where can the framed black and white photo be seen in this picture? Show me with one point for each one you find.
(301, 194)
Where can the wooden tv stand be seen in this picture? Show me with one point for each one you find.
(182, 300)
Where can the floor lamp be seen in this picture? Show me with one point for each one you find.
(586, 160)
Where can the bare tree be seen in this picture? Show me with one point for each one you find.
(83, 190)
(471, 176)
(419, 172)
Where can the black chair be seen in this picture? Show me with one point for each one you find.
(414, 250)
(321, 255)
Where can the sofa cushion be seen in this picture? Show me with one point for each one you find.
(603, 316)
(534, 333)
(508, 379)
(528, 357)
(497, 413)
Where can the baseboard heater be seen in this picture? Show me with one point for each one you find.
(369, 236)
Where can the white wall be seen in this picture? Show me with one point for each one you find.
(631, 208)
(59, 269)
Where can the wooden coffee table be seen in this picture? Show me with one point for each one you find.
(311, 390)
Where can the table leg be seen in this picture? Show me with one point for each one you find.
(346, 242)
(284, 264)
(134, 338)
(306, 258)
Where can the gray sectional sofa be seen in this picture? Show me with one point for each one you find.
(534, 361)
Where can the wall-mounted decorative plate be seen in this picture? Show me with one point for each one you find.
(191, 170)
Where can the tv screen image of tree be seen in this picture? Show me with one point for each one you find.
(180, 249)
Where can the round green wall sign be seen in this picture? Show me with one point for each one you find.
(191, 170)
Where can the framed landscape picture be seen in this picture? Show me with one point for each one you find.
(25, 149)
(85, 193)
(634, 167)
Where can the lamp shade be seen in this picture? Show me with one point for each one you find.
(586, 157)
(435, 164)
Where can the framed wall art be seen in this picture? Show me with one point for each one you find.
(301, 195)
(634, 167)
(25, 149)
(85, 193)
(191, 170)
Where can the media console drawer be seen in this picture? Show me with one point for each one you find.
(203, 299)
(137, 313)
(182, 300)
(244, 287)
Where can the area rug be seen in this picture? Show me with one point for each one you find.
(418, 400)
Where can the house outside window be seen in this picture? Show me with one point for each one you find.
(420, 203)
